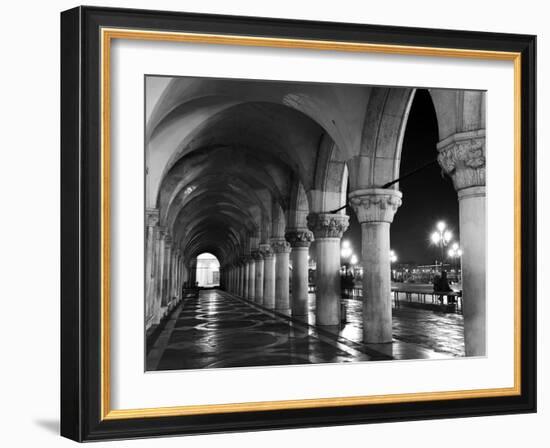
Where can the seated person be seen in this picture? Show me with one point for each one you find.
(441, 284)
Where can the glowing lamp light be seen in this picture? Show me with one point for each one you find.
(436, 237)
(441, 226)
(353, 259)
(346, 249)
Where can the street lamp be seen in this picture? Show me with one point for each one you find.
(456, 252)
(346, 253)
(346, 249)
(393, 259)
(441, 237)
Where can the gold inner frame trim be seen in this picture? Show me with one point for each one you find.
(107, 35)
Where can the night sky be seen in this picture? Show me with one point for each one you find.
(428, 197)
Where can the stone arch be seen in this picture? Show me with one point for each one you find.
(187, 106)
(378, 162)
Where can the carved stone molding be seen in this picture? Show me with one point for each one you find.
(152, 217)
(256, 255)
(327, 225)
(280, 246)
(266, 250)
(375, 204)
(462, 156)
(161, 232)
(299, 237)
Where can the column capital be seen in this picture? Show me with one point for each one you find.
(280, 246)
(161, 232)
(462, 157)
(327, 225)
(375, 204)
(168, 239)
(256, 255)
(266, 250)
(152, 217)
(299, 237)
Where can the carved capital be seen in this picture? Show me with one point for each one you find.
(375, 204)
(152, 217)
(266, 250)
(256, 255)
(462, 156)
(280, 246)
(161, 232)
(327, 225)
(299, 237)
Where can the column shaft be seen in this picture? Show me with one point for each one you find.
(377, 305)
(259, 280)
(300, 240)
(328, 229)
(281, 249)
(269, 281)
(152, 220)
(251, 279)
(473, 241)
(328, 291)
(375, 209)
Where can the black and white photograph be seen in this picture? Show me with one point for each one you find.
(295, 223)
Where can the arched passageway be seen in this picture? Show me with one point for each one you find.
(256, 172)
(208, 271)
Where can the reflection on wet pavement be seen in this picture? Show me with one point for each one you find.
(217, 329)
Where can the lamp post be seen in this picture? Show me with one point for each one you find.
(393, 259)
(441, 237)
(346, 253)
(456, 252)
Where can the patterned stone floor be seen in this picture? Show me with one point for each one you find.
(217, 329)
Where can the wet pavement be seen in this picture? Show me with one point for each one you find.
(217, 329)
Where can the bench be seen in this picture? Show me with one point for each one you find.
(435, 296)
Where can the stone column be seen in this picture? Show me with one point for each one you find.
(159, 272)
(151, 220)
(269, 276)
(174, 283)
(300, 240)
(246, 272)
(259, 280)
(328, 229)
(167, 268)
(242, 278)
(281, 248)
(184, 273)
(462, 156)
(251, 279)
(375, 209)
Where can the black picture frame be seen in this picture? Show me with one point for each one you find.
(81, 224)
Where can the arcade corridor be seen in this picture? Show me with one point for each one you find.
(266, 177)
(217, 329)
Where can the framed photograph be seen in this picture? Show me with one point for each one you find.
(277, 224)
